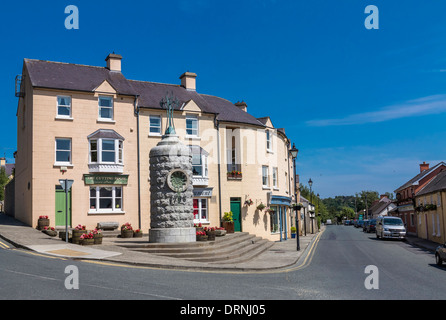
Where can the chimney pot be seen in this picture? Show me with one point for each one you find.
(114, 62)
(242, 106)
(424, 166)
(188, 80)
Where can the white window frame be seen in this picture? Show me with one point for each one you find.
(63, 163)
(195, 132)
(64, 116)
(275, 178)
(118, 150)
(201, 209)
(155, 127)
(100, 118)
(265, 169)
(269, 141)
(97, 199)
(204, 166)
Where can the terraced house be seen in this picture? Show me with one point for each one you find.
(94, 126)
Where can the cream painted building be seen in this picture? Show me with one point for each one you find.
(430, 208)
(95, 127)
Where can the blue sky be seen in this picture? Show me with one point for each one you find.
(364, 107)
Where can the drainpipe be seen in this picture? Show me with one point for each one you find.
(217, 126)
(136, 108)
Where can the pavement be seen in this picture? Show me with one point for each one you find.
(282, 255)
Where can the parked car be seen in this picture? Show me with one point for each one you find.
(390, 227)
(364, 225)
(440, 254)
(328, 222)
(359, 224)
(371, 226)
(346, 222)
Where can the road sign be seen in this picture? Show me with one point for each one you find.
(66, 184)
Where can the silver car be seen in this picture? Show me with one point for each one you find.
(440, 254)
(390, 227)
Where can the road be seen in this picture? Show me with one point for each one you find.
(334, 270)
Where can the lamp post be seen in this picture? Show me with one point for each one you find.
(293, 153)
(310, 183)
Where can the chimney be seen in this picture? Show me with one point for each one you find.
(242, 106)
(424, 166)
(2, 162)
(188, 80)
(114, 62)
(382, 196)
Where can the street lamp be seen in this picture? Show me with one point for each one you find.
(310, 183)
(293, 153)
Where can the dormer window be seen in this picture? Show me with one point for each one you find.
(106, 151)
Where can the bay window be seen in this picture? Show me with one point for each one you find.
(106, 151)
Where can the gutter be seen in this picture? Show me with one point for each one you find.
(217, 126)
(136, 110)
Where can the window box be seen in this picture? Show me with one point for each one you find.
(234, 175)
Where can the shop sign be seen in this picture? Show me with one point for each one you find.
(92, 179)
(203, 192)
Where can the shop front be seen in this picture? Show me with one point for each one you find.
(279, 215)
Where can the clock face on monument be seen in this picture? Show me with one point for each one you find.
(178, 180)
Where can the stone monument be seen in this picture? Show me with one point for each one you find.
(171, 190)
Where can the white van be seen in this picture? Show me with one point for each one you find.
(328, 222)
(390, 227)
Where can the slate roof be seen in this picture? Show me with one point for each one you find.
(380, 205)
(414, 180)
(436, 184)
(67, 76)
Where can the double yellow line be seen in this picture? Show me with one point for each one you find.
(4, 245)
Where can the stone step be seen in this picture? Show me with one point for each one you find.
(165, 247)
(241, 254)
(232, 248)
(214, 251)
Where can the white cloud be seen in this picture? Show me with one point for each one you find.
(434, 104)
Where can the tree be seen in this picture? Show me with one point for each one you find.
(3, 181)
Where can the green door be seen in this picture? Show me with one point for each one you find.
(60, 207)
(236, 208)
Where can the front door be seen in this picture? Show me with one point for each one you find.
(60, 207)
(236, 209)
